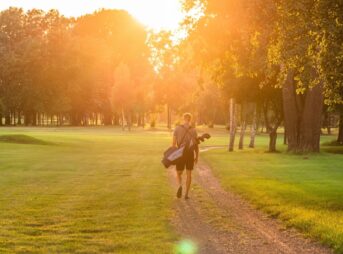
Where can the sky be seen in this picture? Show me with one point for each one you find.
(156, 14)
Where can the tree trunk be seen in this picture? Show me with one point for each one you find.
(108, 118)
(258, 120)
(169, 117)
(1, 119)
(327, 122)
(232, 125)
(8, 118)
(243, 123)
(60, 120)
(122, 120)
(329, 130)
(139, 120)
(30, 119)
(75, 119)
(26, 118)
(34, 119)
(129, 121)
(143, 119)
(241, 138)
(13, 118)
(253, 129)
(116, 120)
(272, 140)
(340, 129)
(302, 116)
(285, 137)
(311, 120)
(40, 119)
(291, 112)
(19, 118)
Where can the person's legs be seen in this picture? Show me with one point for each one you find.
(188, 182)
(179, 181)
(179, 177)
(189, 169)
(179, 170)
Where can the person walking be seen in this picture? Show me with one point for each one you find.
(186, 135)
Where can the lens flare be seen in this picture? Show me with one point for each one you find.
(186, 247)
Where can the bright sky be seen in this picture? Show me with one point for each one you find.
(156, 14)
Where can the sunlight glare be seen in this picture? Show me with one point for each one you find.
(157, 14)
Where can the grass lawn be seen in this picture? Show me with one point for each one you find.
(85, 190)
(303, 191)
(98, 190)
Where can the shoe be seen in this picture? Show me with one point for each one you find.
(179, 192)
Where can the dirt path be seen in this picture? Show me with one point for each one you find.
(221, 222)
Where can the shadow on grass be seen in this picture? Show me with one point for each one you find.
(273, 152)
(332, 147)
(23, 139)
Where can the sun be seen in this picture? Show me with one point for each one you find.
(157, 14)
(154, 14)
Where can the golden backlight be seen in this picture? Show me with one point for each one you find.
(155, 14)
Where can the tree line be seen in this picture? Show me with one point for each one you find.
(63, 70)
(98, 69)
(243, 63)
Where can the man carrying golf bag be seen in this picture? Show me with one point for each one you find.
(185, 136)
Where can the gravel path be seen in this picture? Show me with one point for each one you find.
(219, 221)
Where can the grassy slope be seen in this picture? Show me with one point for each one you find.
(304, 191)
(92, 191)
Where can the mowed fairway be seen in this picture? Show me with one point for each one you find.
(304, 191)
(84, 191)
(101, 190)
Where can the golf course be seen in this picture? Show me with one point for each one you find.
(171, 127)
(102, 190)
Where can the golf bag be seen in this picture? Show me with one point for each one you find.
(174, 154)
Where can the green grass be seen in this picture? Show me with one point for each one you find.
(98, 190)
(92, 191)
(304, 191)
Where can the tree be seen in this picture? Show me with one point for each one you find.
(55, 68)
(11, 38)
(251, 37)
(175, 75)
(123, 94)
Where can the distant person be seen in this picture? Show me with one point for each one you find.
(186, 135)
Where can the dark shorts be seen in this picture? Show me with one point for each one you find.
(187, 162)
